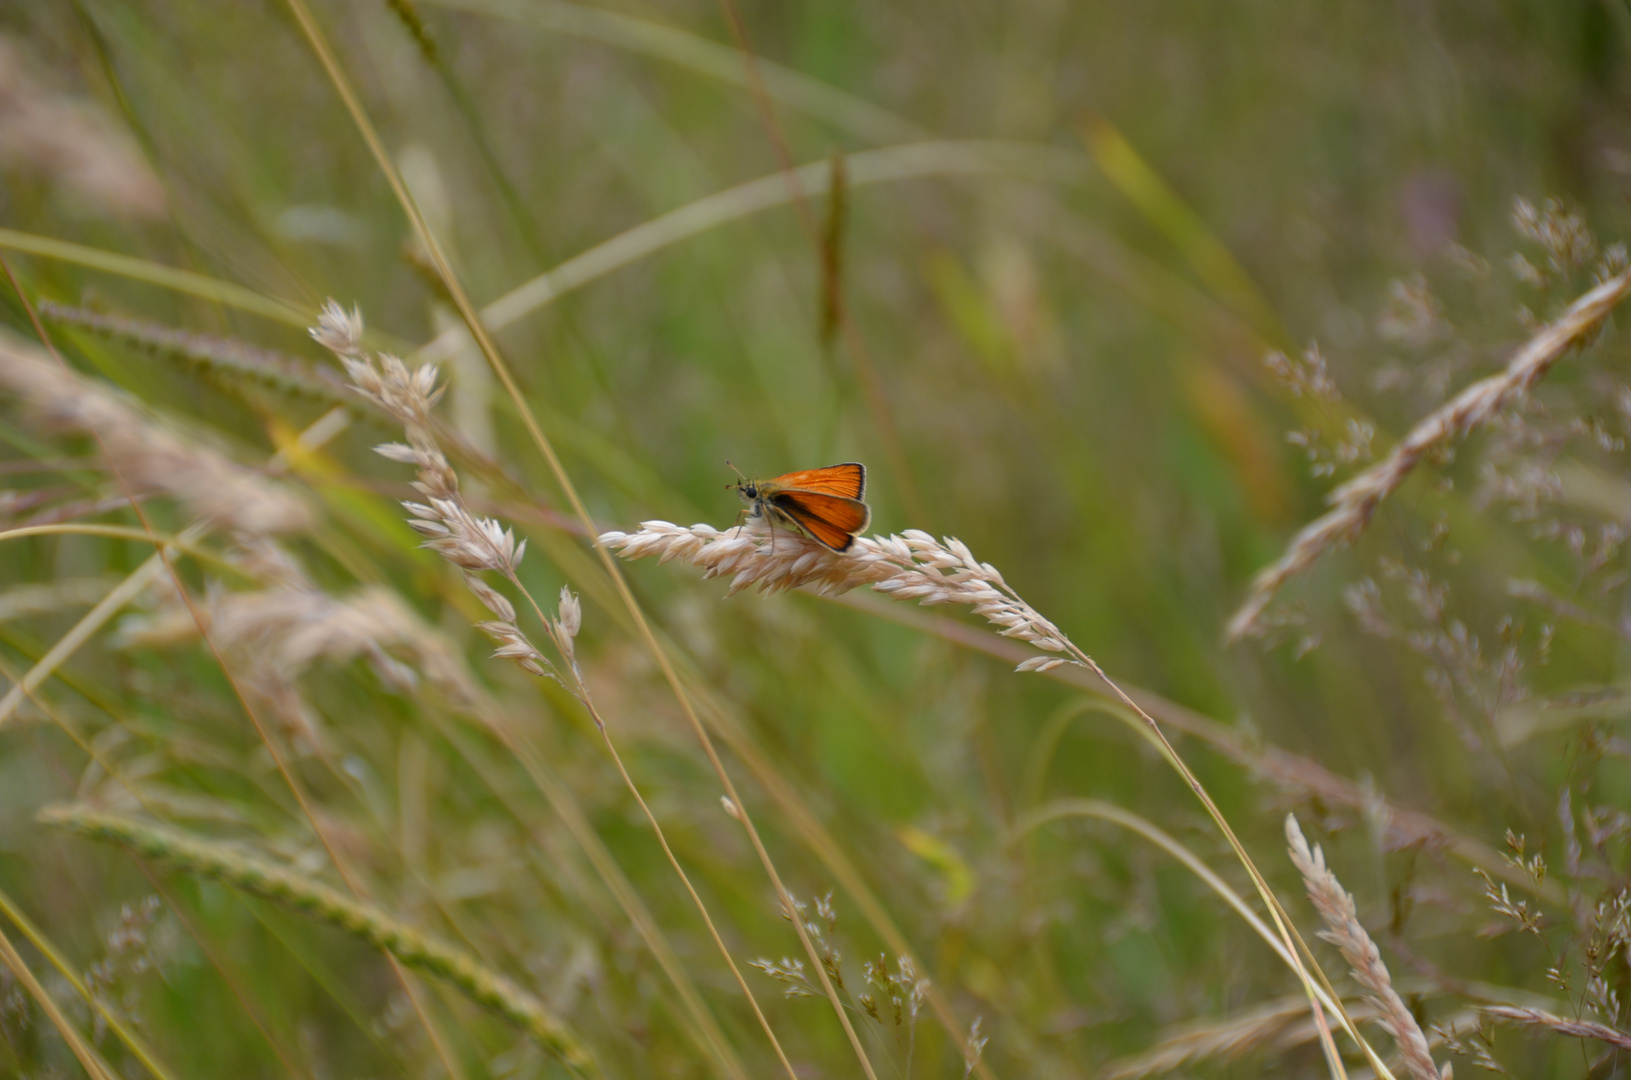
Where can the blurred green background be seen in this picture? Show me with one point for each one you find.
(1064, 237)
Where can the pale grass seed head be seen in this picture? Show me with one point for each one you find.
(146, 453)
(408, 395)
(472, 543)
(1344, 930)
(910, 566)
(71, 143)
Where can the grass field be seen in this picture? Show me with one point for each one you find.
(1232, 680)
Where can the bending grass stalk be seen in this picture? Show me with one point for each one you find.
(894, 163)
(878, 403)
(915, 566)
(1280, 1025)
(582, 693)
(413, 947)
(133, 1042)
(86, 1054)
(1282, 920)
(325, 427)
(165, 277)
(1354, 502)
(706, 1029)
(488, 349)
(1267, 762)
(92, 621)
(1580, 1029)
(1063, 809)
(807, 827)
(787, 85)
(115, 532)
(111, 413)
(1201, 248)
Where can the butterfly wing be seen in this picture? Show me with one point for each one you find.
(831, 520)
(847, 481)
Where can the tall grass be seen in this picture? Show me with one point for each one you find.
(1282, 400)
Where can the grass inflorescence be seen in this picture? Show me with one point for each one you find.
(1245, 479)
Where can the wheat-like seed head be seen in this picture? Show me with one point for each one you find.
(472, 543)
(909, 566)
(1347, 933)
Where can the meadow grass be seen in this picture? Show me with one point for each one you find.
(1325, 338)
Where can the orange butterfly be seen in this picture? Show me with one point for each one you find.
(823, 504)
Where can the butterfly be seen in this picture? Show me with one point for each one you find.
(823, 504)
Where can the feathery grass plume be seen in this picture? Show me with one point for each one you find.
(293, 623)
(276, 633)
(911, 566)
(1355, 501)
(1561, 233)
(469, 542)
(1344, 930)
(412, 946)
(211, 485)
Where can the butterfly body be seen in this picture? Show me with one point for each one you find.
(824, 504)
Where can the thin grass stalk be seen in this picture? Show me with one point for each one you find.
(410, 945)
(1269, 763)
(431, 1029)
(109, 768)
(166, 277)
(662, 839)
(1098, 809)
(93, 620)
(1228, 1038)
(807, 826)
(949, 157)
(563, 803)
(877, 400)
(1354, 502)
(489, 350)
(87, 1055)
(915, 566)
(1282, 921)
(846, 111)
(476, 545)
(284, 1054)
(133, 1042)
